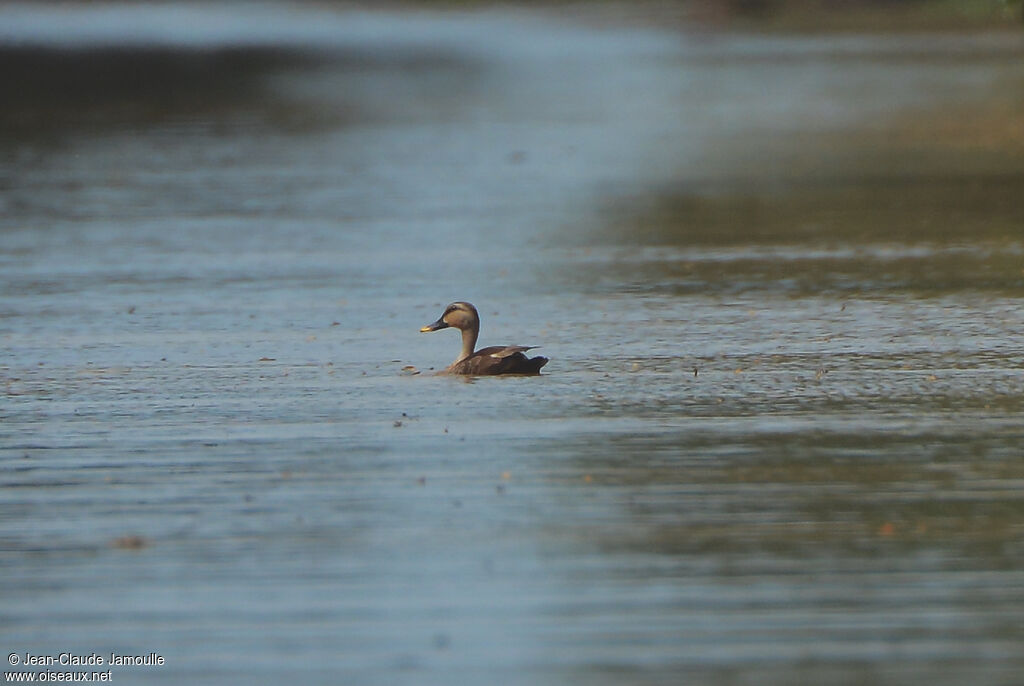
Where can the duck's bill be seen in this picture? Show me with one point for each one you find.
(439, 324)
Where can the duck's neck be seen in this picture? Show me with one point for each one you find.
(468, 342)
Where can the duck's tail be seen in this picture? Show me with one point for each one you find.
(533, 365)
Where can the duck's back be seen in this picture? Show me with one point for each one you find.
(499, 359)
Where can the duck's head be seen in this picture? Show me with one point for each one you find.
(461, 315)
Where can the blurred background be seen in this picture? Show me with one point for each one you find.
(773, 248)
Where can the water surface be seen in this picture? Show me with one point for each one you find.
(778, 439)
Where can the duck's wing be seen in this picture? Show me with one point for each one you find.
(503, 351)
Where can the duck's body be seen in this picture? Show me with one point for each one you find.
(497, 359)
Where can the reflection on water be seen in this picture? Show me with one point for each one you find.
(778, 440)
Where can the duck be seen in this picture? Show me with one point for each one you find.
(490, 361)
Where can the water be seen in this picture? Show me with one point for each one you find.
(778, 439)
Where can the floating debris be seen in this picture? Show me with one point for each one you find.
(129, 542)
(409, 370)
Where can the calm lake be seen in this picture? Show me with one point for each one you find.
(779, 278)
